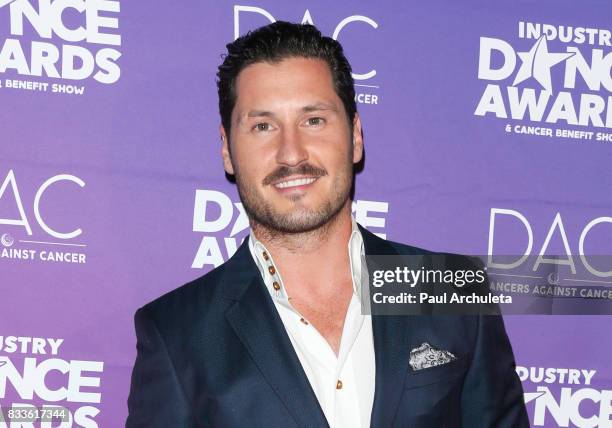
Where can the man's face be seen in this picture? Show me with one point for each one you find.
(292, 151)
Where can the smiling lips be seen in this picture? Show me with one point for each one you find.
(295, 183)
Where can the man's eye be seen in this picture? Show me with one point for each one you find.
(262, 127)
(314, 121)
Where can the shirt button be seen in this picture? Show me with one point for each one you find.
(265, 255)
(304, 321)
(271, 270)
(339, 384)
(276, 285)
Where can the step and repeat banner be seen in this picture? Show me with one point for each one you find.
(488, 130)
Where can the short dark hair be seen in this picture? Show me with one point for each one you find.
(273, 43)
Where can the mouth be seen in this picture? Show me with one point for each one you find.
(295, 183)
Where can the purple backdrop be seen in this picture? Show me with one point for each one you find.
(112, 190)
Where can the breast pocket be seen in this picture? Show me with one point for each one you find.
(452, 370)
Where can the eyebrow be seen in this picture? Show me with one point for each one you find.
(321, 106)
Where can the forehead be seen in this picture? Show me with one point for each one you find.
(292, 81)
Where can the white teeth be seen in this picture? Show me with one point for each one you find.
(292, 183)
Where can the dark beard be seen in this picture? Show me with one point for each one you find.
(262, 214)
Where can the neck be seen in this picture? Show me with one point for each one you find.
(314, 264)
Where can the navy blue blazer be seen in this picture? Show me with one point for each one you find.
(214, 352)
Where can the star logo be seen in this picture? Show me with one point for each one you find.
(538, 62)
(530, 396)
(5, 2)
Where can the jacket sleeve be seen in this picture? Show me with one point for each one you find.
(156, 397)
(492, 395)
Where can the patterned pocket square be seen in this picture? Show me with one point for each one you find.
(426, 356)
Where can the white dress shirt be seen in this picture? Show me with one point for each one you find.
(343, 384)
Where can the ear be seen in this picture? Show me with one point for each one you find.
(225, 152)
(357, 139)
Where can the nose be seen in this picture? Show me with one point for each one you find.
(291, 149)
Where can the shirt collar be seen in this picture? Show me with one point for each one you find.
(272, 278)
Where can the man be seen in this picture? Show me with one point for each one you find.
(276, 337)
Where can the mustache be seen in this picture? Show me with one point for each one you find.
(286, 171)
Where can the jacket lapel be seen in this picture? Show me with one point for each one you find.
(392, 340)
(258, 325)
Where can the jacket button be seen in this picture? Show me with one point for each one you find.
(276, 285)
(339, 384)
(271, 270)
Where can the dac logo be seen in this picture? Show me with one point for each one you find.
(22, 221)
(581, 100)
(360, 97)
(96, 27)
(214, 212)
(557, 224)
